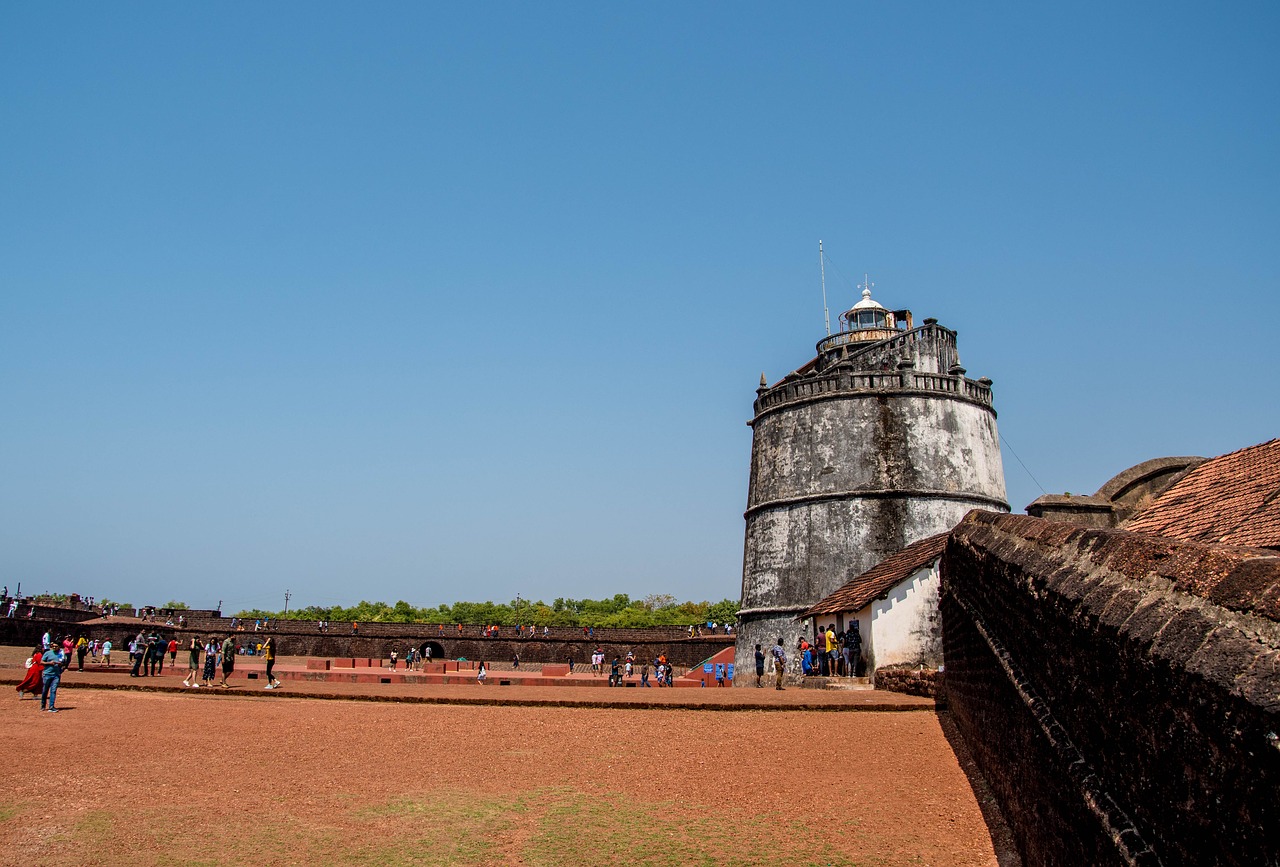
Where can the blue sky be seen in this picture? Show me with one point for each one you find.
(440, 302)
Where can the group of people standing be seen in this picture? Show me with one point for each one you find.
(216, 654)
(413, 658)
(833, 653)
(146, 654)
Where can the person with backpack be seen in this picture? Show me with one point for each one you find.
(853, 648)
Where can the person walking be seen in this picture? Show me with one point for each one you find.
(269, 651)
(55, 660)
(759, 667)
(33, 682)
(82, 647)
(483, 672)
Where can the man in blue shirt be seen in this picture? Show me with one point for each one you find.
(54, 661)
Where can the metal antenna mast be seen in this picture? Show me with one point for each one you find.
(826, 314)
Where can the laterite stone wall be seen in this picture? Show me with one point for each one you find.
(1121, 693)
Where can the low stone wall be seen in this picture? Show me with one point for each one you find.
(1121, 693)
(909, 680)
(58, 613)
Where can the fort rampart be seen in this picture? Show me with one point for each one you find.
(377, 640)
(1121, 693)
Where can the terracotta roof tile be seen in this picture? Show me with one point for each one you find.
(880, 578)
(1233, 499)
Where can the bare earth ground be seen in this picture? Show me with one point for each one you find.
(251, 777)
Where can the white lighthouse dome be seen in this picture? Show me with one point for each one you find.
(868, 303)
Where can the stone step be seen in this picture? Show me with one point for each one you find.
(836, 683)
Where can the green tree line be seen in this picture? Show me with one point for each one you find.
(620, 611)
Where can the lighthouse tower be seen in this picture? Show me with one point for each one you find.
(877, 442)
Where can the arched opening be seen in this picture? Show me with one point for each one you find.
(432, 651)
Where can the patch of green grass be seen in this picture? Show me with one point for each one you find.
(439, 828)
(450, 808)
(610, 829)
(95, 825)
(556, 827)
(550, 827)
(8, 811)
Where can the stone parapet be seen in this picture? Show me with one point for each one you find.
(1120, 692)
(852, 384)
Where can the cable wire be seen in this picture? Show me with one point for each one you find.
(1024, 466)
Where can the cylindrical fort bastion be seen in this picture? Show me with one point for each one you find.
(879, 441)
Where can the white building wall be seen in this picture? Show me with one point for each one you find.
(905, 627)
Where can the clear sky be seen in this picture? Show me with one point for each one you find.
(459, 301)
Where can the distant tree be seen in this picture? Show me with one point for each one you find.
(619, 611)
(724, 611)
(659, 601)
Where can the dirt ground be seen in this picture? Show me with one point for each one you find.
(162, 777)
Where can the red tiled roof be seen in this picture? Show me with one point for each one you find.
(881, 578)
(1233, 500)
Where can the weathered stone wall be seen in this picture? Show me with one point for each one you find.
(910, 680)
(841, 482)
(1121, 693)
(377, 640)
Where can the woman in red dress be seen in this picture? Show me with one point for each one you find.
(31, 683)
